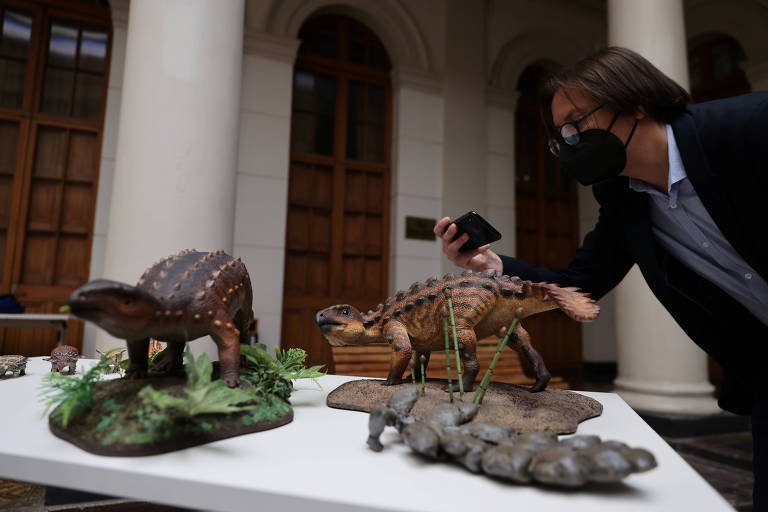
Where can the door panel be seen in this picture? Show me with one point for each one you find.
(338, 194)
(547, 226)
(50, 140)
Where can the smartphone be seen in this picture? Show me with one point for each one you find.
(479, 230)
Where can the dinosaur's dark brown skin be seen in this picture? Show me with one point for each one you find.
(178, 299)
(483, 303)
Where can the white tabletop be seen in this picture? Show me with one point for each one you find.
(320, 462)
(34, 317)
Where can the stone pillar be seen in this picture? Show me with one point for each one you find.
(174, 178)
(660, 370)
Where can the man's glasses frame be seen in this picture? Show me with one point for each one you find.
(569, 132)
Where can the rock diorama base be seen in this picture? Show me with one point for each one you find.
(117, 426)
(508, 405)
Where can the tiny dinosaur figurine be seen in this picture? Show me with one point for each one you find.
(484, 304)
(62, 357)
(178, 299)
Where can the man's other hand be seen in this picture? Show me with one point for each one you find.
(482, 258)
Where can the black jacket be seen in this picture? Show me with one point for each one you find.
(724, 147)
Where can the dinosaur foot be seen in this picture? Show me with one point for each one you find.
(135, 373)
(232, 379)
(391, 382)
(540, 384)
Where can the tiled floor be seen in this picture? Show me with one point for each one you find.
(725, 461)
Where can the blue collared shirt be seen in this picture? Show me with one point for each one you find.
(683, 227)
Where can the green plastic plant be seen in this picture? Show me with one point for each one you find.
(117, 363)
(72, 395)
(273, 376)
(202, 395)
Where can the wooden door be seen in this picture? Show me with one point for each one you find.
(337, 234)
(54, 58)
(547, 224)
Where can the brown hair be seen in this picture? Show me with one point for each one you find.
(622, 80)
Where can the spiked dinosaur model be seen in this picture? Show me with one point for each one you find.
(178, 299)
(483, 303)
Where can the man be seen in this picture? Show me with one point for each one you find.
(682, 193)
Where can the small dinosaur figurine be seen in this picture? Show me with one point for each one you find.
(62, 357)
(484, 303)
(178, 299)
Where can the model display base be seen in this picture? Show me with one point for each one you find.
(117, 426)
(508, 405)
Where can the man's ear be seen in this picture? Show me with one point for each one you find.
(640, 113)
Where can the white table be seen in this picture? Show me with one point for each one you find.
(320, 462)
(54, 321)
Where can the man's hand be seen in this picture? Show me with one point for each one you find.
(482, 258)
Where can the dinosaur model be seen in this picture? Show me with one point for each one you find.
(178, 299)
(17, 365)
(62, 357)
(484, 303)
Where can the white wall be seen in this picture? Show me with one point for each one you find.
(262, 173)
(108, 151)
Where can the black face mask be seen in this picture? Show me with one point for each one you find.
(599, 155)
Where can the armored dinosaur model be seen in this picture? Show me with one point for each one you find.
(62, 357)
(178, 299)
(17, 365)
(447, 433)
(484, 304)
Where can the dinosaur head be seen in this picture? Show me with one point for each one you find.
(344, 325)
(124, 311)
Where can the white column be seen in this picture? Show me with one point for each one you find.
(174, 178)
(659, 368)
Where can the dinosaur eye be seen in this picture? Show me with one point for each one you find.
(345, 312)
(127, 302)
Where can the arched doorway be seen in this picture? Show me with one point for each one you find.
(337, 233)
(54, 62)
(547, 221)
(714, 63)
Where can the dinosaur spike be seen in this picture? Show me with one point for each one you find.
(210, 313)
(237, 331)
(380, 307)
(230, 290)
(197, 316)
(209, 283)
(415, 287)
(155, 285)
(431, 281)
(170, 296)
(169, 262)
(224, 300)
(177, 286)
(369, 313)
(489, 273)
(186, 275)
(179, 313)
(163, 274)
(466, 273)
(400, 295)
(215, 274)
(141, 282)
(196, 265)
(217, 323)
(229, 325)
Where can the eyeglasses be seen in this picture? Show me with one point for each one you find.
(569, 132)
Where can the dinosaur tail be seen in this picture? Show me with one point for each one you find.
(574, 303)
